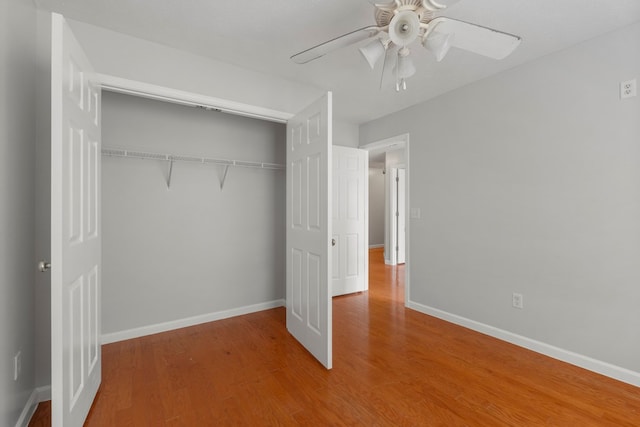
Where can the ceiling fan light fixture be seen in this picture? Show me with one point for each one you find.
(439, 44)
(405, 67)
(404, 27)
(373, 51)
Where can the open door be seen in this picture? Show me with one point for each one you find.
(349, 222)
(401, 215)
(75, 230)
(309, 314)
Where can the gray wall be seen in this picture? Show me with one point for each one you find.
(529, 181)
(193, 249)
(43, 200)
(132, 58)
(345, 134)
(17, 201)
(376, 207)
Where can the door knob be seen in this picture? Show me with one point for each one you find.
(333, 242)
(44, 266)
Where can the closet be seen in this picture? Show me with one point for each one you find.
(193, 214)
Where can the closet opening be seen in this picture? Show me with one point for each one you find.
(193, 215)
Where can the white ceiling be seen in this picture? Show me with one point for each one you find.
(262, 34)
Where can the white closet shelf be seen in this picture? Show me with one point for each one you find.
(114, 152)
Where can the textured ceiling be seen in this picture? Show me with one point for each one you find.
(261, 35)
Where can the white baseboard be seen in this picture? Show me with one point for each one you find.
(44, 393)
(189, 321)
(598, 366)
(28, 410)
(376, 246)
(39, 394)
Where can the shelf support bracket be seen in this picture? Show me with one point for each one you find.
(224, 176)
(170, 171)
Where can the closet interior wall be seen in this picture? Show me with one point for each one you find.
(193, 249)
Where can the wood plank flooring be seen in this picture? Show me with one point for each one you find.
(392, 367)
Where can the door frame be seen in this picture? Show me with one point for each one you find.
(396, 142)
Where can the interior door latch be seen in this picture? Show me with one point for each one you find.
(44, 266)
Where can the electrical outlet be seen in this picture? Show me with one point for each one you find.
(628, 89)
(17, 365)
(517, 300)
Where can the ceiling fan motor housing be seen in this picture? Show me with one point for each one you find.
(385, 13)
(404, 27)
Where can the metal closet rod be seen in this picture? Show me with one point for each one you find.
(113, 152)
(135, 154)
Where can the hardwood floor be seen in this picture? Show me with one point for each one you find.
(392, 367)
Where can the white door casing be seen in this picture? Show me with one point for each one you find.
(75, 229)
(350, 233)
(309, 313)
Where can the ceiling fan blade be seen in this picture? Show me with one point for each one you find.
(478, 39)
(337, 43)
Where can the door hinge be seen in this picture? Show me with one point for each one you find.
(397, 179)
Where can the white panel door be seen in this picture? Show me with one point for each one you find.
(75, 230)
(402, 210)
(350, 234)
(309, 314)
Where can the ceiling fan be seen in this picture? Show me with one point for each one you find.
(400, 23)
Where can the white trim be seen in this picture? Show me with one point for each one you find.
(366, 220)
(161, 93)
(28, 410)
(189, 321)
(39, 394)
(44, 393)
(379, 245)
(396, 142)
(594, 365)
